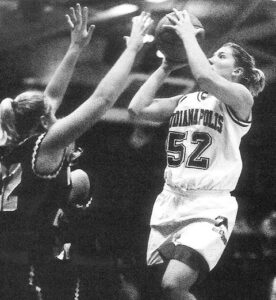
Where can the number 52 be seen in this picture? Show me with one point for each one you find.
(176, 150)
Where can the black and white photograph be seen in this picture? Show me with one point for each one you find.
(137, 150)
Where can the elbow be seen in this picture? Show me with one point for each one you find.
(132, 112)
(106, 101)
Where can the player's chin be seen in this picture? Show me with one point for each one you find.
(218, 71)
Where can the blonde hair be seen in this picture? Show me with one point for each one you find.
(21, 117)
(7, 118)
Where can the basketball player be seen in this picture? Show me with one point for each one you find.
(194, 215)
(54, 92)
(12, 221)
(41, 143)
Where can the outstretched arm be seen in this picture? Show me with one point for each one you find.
(144, 106)
(231, 93)
(68, 129)
(80, 37)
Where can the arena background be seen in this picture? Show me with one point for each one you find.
(126, 161)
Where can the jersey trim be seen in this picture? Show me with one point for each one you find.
(235, 118)
(182, 98)
(52, 174)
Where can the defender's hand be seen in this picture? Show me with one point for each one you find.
(77, 20)
(140, 26)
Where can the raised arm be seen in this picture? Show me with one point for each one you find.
(80, 37)
(234, 94)
(68, 129)
(144, 105)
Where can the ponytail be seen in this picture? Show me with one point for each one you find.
(20, 117)
(252, 78)
(7, 118)
(256, 81)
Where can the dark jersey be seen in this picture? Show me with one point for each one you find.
(39, 195)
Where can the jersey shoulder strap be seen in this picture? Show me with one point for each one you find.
(236, 120)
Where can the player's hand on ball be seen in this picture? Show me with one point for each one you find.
(140, 27)
(182, 24)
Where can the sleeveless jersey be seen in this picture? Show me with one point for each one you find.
(203, 144)
(39, 195)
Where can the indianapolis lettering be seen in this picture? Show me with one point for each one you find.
(197, 116)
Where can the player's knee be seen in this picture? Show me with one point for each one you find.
(178, 279)
(173, 284)
(174, 289)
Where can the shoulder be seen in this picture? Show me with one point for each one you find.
(236, 120)
(243, 107)
(169, 100)
(18, 153)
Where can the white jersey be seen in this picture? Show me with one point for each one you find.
(203, 144)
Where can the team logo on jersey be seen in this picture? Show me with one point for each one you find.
(197, 116)
(201, 96)
(221, 225)
(221, 221)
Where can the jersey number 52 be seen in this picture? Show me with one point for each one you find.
(176, 150)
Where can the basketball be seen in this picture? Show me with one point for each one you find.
(169, 43)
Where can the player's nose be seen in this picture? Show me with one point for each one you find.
(211, 60)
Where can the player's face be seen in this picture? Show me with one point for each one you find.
(223, 62)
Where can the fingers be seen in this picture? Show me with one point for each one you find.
(126, 38)
(84, 17)
(172, 19)
(72, 18)
(90, 31)
(178, 14)
(147, 24)
(200, 31)
(143, 21)
(169, 26)
(69, 21)
(77, 17)
(73, 15)
(145, 17)
(186, 16)
(79, 14)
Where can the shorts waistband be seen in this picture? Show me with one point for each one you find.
(182, 191)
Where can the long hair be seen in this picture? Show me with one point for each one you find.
(252, 78)
(21, 117)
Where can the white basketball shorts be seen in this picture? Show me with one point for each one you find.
(201, 221)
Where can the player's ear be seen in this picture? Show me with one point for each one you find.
(46, 121)
(238, 71)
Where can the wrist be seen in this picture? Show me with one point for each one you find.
(166, 68)
(133, 48)
(187, 36)
(74, 47)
